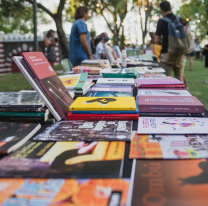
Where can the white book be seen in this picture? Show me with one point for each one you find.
(116, 81)
(18, 60)
(162, 92)
(172, 125)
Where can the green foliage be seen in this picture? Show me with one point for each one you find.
(196, 10)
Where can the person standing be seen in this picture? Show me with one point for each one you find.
(197, 49)
(79, 44)
(50, 42)
(206, 55)
(168, 61)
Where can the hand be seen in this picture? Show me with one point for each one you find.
(91, 57)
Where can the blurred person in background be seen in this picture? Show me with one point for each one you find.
(50, 42)
(80, 45)
(197, 49)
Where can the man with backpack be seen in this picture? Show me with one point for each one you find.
(175, 42)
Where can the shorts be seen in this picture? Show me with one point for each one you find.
(192, 54)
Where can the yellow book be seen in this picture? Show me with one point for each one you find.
(103, 104)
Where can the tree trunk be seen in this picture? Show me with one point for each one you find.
(63, 42)
(115, 37)
(122, 38)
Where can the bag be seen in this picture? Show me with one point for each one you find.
(178, 42)
(157, 50)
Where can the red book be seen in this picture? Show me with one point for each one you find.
(49, 82)
(158, 83)
(170, 104)
(102, 117)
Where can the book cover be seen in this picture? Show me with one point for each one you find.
(20, 99)
(89, 70)
(164, 82)
(116, 81)
(112, 88)
(180, 104)
(109, 94)
(170, 183)
(163, 92)
(49, 81)
(87, 131)
(169, 147)
(168, 114)
(62, 192)
(103, 103)
(103, 117)
(74, 81)
(65, 159)
(118, 73)
(14, 135)
(172, 125)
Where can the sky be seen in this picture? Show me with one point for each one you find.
(131, 23)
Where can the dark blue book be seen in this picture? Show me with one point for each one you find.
(109, 94)
(107, 112)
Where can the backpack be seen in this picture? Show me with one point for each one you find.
(178, 41)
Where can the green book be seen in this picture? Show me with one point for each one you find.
(22, 114)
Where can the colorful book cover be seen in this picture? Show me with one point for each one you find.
(163, 92)
(163, 82)
(112, 88)
(180, 104)
(116, 81)
(49, 81)
(169, 147)
(89, 70)
(74, 81)
(109, 94)
(14, 135)
(172, 125)
(20, 99)
(62, 192)
(65, 159)
(170, 183)
(87, 131)
(103, 103)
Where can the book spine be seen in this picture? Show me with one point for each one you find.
(28, 110)
(102, 112)
(146, 114)
(171, 108)
(24, 119)
(21, 114)
(102, 117)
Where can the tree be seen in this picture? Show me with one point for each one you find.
(196, 12)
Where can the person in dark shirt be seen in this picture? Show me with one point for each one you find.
(168, 61)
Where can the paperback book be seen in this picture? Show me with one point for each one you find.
(14, 135)
(109, 94)
(165, 182)
(116, 81)
(87, 131)
(86, 69)
(65, 160)
(169, 147)
(62, 192)
(172, 125)
(103, 103)
(112, 88)
(180, 104)
(163, 92)
(118, 73)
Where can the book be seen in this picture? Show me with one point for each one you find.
(112, 88)
(168, 114)
(103, 117)
(116, 81)
(104, 63)
(179, 182)
(172, 125)
(62, 192)
(65, 160)
(103, 103)
(48, 81)
(171, 104)
(109, 94)
(163, 82)
(14, 135)
(87, 131)
(119, 73)
(169, 147)
(163, 92)
(93, 77)
(89, 70)
(74, 81)
(20, 99)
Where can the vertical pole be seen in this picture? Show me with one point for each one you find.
(35, 46)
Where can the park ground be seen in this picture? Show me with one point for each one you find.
(195, 79)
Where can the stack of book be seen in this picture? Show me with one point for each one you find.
(77, 83)
(96, 63)
(89, 70)
(103, 108)
(23, 106)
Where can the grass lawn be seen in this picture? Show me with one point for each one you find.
(195, 81)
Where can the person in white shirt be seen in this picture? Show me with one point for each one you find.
(99, 48)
